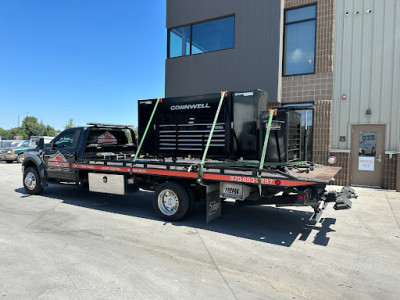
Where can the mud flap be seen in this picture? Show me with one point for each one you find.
(213, 202)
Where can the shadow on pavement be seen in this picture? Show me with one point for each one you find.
(279, 226)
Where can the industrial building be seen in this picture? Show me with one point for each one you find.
(339, 56)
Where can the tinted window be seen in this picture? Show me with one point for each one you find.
(299, 50)
(202, 37)
(306, 129)
(107, 137)
(300, 14)
(66, 139)
(179, 41)
(213, 35)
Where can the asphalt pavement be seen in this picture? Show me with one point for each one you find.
(69, 243)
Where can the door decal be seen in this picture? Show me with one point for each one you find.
(57, 161)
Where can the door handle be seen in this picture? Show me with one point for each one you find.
(380, 158)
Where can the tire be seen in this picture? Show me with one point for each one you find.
(20, 158)
(9, 161)
(32, 182)
(171, 201)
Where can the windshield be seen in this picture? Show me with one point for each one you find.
(25, 144)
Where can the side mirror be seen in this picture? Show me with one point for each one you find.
(40, 144)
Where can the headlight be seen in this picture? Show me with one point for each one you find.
(10, 152)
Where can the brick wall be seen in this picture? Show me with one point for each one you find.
(307, 88)
(322, 131)
(398, 173)
(389, 171)
(343, 161)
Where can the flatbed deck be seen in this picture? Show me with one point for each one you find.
(225, 173)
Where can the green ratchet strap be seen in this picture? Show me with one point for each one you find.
(147, 128)
(200, 178)
(264, 152)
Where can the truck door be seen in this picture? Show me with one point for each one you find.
(61, 155)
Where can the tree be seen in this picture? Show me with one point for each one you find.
(50, 131)
(10, 133)
(3, 132)
(70, 123)
(31, 127)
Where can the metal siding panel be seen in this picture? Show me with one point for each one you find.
(377, 60)
(395, 108)
(356, 64)
(367, 68)
(345, 113)
(337, 69)
(387, 68)
(366, 53)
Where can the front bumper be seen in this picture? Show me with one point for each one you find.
(8, 156)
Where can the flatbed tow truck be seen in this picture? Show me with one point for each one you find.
(106, 158)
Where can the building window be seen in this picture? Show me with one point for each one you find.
(201, 37)
(299, 52)
(306, 110)
(179, 41)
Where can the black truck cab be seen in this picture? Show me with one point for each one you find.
(54, 161)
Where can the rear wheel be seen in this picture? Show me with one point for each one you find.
(20, 158)
(32, 181)
(171, 201)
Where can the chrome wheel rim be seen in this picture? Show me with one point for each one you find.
(30, 181)
(168, 202)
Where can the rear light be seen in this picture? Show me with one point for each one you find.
(277, 182)
(301, 197)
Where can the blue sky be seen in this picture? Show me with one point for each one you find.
(90, 60)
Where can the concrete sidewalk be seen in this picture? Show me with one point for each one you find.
(69, 243)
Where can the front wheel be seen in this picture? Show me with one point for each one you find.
(32, 181)
(171, 201)
(20, 158)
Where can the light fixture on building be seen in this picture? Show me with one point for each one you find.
(368, 113)
(368, 11)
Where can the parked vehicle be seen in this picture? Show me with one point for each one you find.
(106, 158)
(4, 143)
(16, 152)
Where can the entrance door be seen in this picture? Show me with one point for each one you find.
(367, 154)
